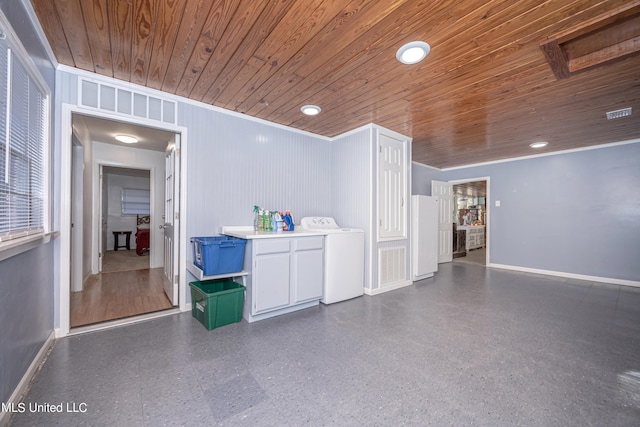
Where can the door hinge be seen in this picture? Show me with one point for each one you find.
(176, 278)
(99, 254)
(178, 216)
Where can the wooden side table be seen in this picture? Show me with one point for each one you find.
(116, 240)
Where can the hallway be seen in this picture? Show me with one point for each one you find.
(119, 294)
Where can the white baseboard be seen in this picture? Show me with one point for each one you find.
(567, 275)
(23, 385)
(392, 287)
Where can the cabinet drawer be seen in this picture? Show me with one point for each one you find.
(308, 243)
(271, 246)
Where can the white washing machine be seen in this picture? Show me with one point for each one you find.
(343, 259)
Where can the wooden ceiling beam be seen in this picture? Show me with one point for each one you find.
(620, 24)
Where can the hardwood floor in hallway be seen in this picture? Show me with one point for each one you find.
(115, 295)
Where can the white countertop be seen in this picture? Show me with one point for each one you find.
(244, 232)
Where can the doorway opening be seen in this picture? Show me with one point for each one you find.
(125, 219)
(118, 260)
(470, 213)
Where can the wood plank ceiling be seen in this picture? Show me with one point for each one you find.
(484, 93)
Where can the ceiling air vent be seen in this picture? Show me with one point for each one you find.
(618, 113)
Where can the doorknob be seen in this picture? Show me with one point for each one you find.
(161, 226)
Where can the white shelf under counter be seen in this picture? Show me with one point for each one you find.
(199, 274)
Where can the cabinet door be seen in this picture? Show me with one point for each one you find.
(392, 187)
(307, 275)
(271, 282)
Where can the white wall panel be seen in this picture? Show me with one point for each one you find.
(352, 196)
(236, 163)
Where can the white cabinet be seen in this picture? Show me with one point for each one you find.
(392, 187)
(271, 282)
(285, 274)
(307, 269)
(475, 236)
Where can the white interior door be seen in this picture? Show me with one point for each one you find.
(444, 192)
(77, 225)
(171, 220)
(102, 234)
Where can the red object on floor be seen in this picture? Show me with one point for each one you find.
(142, 241)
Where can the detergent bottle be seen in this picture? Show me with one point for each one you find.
(288, 219)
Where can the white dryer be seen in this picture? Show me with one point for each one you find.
(343, 259)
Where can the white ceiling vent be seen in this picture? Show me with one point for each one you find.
(618, 113)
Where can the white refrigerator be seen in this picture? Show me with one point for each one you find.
(424, 236)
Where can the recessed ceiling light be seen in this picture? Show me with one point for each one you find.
(539, 144)
(310, 110)
(127, 139)
(413, 52)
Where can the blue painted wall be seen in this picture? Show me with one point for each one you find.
(421, 177)
(576, 212)
(26, 313)
(26, 280)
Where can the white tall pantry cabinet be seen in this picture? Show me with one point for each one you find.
(392, 186)
(371, 190)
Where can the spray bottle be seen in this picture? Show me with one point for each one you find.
(256, 218)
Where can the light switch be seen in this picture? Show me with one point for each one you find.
(497, 203)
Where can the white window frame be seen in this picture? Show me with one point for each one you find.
(16, 241)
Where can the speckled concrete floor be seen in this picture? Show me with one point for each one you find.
(472, 346)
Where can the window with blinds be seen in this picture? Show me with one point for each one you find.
(136, 201)
(23, 145)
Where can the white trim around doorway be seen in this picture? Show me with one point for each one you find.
(63, 300)
(488, 208)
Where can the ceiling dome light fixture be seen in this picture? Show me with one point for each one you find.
(127, 139)
(539, 144)
(413, 52)
(310, 110)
